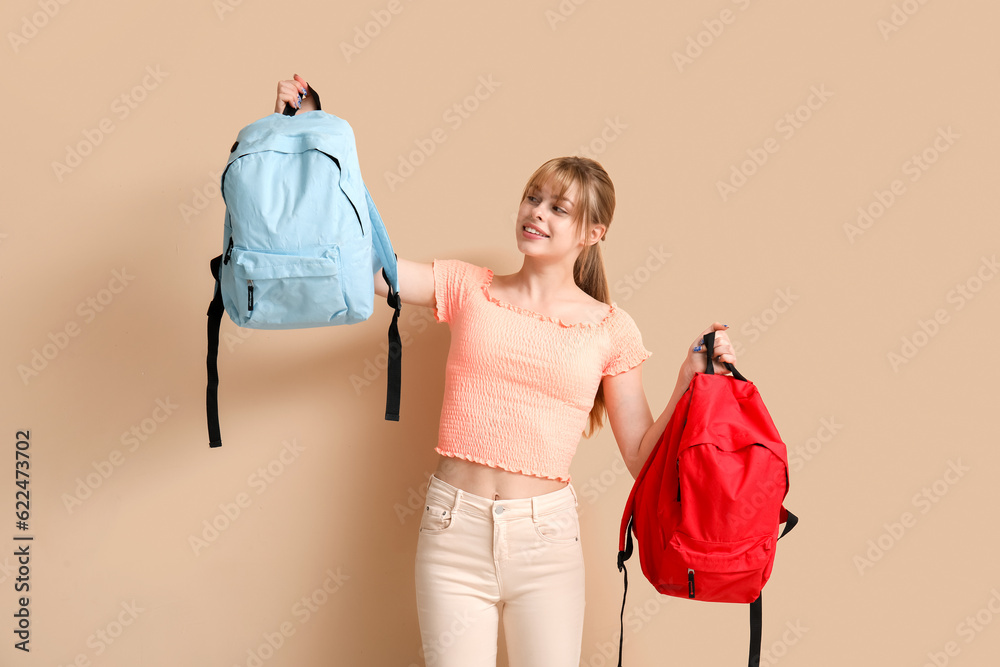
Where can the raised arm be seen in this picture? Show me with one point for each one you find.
(416, 279)
(628, 410)
(416, 283)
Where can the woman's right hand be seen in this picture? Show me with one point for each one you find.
(696, 360)
(294, 92)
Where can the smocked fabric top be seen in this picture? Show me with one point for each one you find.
(519, 386)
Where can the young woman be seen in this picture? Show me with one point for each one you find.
(536, 357)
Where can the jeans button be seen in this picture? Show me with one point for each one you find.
(498, 509)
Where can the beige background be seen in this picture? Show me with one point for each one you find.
(818, 312)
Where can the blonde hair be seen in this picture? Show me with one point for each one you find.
(596, 206)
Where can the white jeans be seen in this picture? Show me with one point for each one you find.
(479, 560)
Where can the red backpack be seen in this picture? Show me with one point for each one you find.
(707, 505)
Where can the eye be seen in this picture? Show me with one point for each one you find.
(559, 209)
(532, 198)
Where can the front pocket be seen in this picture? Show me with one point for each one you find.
(725, 571)
(560, 527)
(273, 290)
(727, 494)
(436, 519)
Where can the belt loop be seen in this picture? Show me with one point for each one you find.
(534, 508)
(576, 500)
(458, 500)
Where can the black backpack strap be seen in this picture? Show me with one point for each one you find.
(394, 371)
(756, 627)
(710, 355)
(790, 521)
(757, 607)
(622, 557)
(387, 258)
(215, 310)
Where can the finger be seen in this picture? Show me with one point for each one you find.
(303, 85)
(721, 339)
(282, 102)
(290, 93)
(723, 345)
(715, 326)
(294, 95)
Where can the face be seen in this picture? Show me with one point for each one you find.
(547, 223)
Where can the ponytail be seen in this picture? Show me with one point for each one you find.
(590, 277)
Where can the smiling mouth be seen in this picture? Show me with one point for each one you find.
(533, 232)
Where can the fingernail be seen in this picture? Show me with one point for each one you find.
(726, 325)
(697, 348)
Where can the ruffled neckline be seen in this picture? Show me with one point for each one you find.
(539, 316)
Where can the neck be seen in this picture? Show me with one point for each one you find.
(536, 278)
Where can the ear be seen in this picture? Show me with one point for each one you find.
(596, 233)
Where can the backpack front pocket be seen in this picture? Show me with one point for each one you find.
(724, 571)
(726, 494)
(276, 291)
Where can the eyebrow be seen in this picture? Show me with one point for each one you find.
(536, 190)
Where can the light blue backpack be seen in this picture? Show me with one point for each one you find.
(302, 239)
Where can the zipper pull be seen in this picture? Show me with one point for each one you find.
(691, 583)
(250, 296)
(229, 251)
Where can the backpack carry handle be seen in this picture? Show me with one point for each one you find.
(710, 351)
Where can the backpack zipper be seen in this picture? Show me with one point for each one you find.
(250, 296)
(678, 480)
(691, 583)
(229, 251)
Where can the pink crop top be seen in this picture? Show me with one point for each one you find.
(519, 386)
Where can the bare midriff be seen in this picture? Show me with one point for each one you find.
(493, 483)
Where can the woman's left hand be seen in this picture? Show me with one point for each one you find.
(295, 93)
(696, 359)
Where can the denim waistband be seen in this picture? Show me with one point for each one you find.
(536, 506)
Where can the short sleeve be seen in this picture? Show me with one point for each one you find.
(626, 351)
(453, 282)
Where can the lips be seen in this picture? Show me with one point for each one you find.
(531, 228)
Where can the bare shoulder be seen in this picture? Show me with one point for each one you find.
(592, 309)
